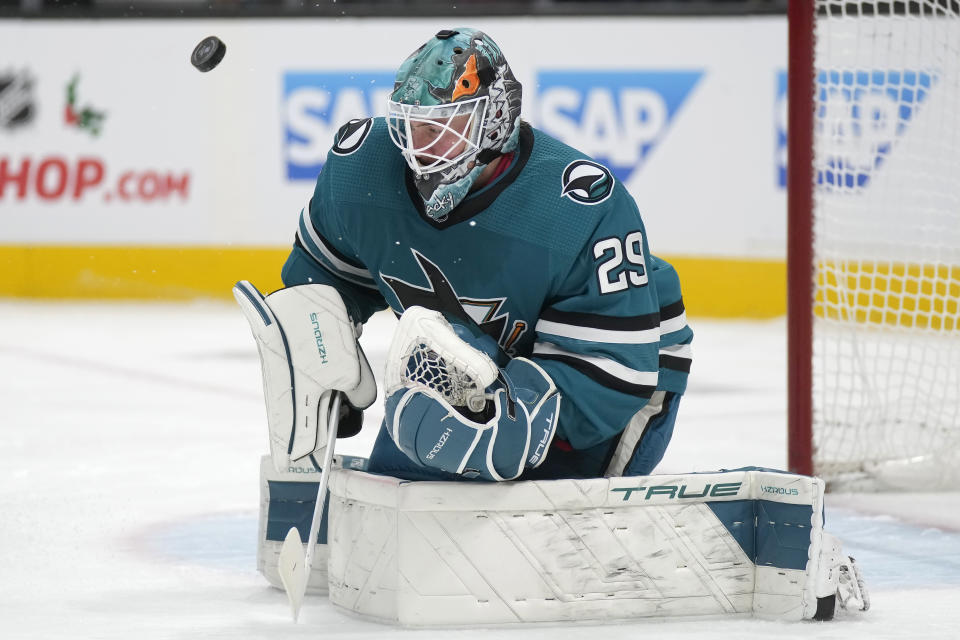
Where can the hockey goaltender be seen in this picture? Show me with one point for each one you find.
(531, 387)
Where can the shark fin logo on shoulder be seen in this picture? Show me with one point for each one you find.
(350, 137)
(586, 182)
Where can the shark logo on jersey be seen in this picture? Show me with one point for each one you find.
(440, 295)
(351, 136)
(586, 182)
(860, 116)
(315, 106)
(615, 117)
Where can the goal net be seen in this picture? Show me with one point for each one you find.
(885, 309)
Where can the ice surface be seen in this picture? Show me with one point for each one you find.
(130, 437)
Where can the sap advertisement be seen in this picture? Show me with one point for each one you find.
(616, 117)
(863, 113)
(144, 149)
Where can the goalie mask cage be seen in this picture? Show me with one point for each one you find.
(873, 253)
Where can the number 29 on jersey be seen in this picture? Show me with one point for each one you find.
(622, 263)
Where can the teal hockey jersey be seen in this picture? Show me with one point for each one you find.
(550, 259)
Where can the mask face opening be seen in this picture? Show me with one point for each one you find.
(437, 137)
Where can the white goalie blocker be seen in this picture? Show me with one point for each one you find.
(308, 352)
(743, 543)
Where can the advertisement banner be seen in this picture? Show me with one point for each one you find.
(112, 139)
(122, 142)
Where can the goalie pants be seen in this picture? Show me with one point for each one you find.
(635, 451)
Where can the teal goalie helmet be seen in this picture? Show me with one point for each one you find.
(455, 107)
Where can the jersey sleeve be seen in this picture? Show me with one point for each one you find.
(599, 338)
(322, 253)
(676, 336)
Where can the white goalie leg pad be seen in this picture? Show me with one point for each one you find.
(287, 499)
(739, 543)
(308, 349)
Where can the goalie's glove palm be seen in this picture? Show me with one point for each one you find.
(435, 427)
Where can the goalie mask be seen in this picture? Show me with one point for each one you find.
(455, 107)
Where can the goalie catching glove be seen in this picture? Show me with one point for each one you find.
(450, 406)
(308, 351)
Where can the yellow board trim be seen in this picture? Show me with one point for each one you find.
(909, 295)
(712, 287)
(732, 287)
(136, 273)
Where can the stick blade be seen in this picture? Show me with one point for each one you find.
(293, 570)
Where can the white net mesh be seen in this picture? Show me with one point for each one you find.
(456, 384)
(426, 352)
(887, 244)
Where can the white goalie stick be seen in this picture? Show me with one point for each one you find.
(294, 565)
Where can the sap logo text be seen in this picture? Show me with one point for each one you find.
(617, 117)
(861, 114)
(672, 492)
(315, 107)
(780, 117)
(782, 491)
(318, 336)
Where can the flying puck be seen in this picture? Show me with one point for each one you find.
(208, 53)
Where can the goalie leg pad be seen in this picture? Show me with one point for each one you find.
(747, 542)
(287, 499)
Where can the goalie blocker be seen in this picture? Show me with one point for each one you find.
(308, 350)
(744, 542)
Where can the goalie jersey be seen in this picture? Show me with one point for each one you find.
(550, 259)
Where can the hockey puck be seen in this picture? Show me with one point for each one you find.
(208, 53)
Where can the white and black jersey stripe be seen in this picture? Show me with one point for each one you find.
(327, 256)
(677, 357)
(597, 328)
(604, 371)
(600, 329)
(673, 317)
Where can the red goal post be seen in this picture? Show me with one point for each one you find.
(800, 272)
(873, 244)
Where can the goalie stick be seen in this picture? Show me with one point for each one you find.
(294, 565)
